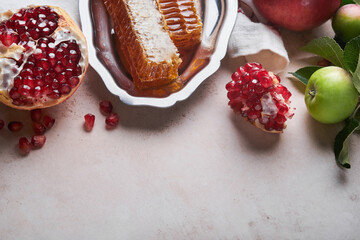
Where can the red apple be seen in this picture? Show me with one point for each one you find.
(297, 15)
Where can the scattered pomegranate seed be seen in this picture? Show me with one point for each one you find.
(48, 122)
(39, 128)
(15, 126)
(89, 122)
(259, 97)
(112, 120)
(36, 115)
(2, 123)
(24, 145)
(38, 141)
(106, 107)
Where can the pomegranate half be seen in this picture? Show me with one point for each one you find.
(258, 96)
(43, 57)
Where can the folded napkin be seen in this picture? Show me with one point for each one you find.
(256, 41)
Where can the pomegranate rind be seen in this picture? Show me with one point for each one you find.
(64, 21)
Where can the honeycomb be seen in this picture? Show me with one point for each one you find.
(151, 56)
(182, 21)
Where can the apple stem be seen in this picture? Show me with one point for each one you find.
(312, 92)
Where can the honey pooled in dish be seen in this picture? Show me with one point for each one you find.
(151, 56)
(182, 21)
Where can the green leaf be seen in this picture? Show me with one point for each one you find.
(351, 54)
(303, 74)
(356, 77)
(341, 146)
(343, 2)
(357, 2)
(327, 48)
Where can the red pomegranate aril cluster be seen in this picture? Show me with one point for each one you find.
(52, 70)
(28, 24)
(46, 74)
(259, 97)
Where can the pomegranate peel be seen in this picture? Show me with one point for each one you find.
(258, 96)
(33, 73)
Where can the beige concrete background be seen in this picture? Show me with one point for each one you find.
(192, 171)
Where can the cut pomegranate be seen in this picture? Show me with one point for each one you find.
(48, 122)
(44, 55)
(15, 126)
(112, 120)
(38, 141)
(89, 122)
(2, 123)
(106, 107)
(259, 97)
(36, 115)
(24, 145)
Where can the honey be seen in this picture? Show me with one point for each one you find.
(182, 21)
(151, 56)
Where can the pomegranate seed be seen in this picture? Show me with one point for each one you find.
(13, 93)
(59, 53)
(230, 85)
(89, 122)
(253, 114)
(55, 94)
(112, 120)
(18, 81)
(34, 33)
(58, 67)
(26, 72)
(24, 145)
(52, 59)
(15, 126)
(73, 81)
(106, 107)
(44, 64)
(48, 122)
(30, 66)
(65, 89)
(25, 90)
(266, 81)
(235, 76)
(282, 108)
(280, 119)
(2, 123)
(38, 141)
(241, 71)
(37, 92)
(38, 128)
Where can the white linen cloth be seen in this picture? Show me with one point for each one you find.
(256, 41)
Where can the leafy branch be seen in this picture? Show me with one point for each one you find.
(347, 59)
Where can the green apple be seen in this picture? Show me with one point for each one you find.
(346, 22)
(330, 95)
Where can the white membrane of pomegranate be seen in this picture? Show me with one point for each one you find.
(8, 68)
